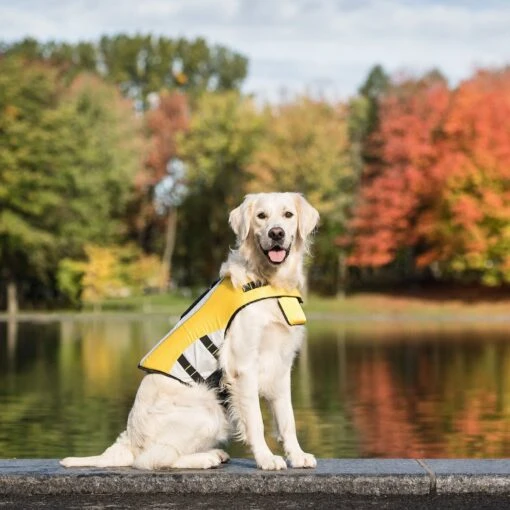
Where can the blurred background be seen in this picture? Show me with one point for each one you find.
(127, 134)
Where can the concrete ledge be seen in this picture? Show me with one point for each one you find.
(456, 476)
(421, 483)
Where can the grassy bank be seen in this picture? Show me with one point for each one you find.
(420, 306)
(369, 304)
(358, 304)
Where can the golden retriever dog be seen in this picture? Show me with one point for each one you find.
(174, 425)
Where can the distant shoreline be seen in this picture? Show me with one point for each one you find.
(360, 308)
(314, 316)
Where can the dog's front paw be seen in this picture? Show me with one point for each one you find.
(271, 463)
(302, 460)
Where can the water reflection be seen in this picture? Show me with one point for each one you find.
(359, 390)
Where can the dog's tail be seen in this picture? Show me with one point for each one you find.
(119, 454)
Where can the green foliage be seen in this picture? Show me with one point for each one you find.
(223, 134)
(305, 148)
(69, 278)
(373, 89)
(66, 167)
(364, 116)
(108, 272)
(142, 64)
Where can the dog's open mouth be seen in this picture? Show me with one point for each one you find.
(276, 254)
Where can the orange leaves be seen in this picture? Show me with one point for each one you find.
(441, 183)
(164, 123)
(466, 212)
(404, 176)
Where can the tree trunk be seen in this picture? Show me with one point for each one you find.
(12, 298)
(166, 263)
(12, 338)
(341, 281)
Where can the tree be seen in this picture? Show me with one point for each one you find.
(159, 183)
(470, 230)
(364, 116)
(66, 167)
(441, 191)
(373, 90)
(398, 187)
(142, 64)
(305, 148)
(107, 271)
(217, 149)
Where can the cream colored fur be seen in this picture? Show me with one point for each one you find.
(176, 426)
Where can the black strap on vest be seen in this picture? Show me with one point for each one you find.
(190, 369)
(210, 346)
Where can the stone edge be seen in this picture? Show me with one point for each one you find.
(367, 477)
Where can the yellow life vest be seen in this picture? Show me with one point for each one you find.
(189, 351)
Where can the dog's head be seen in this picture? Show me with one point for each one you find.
(277, 225)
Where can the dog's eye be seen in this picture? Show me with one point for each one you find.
(261, 216)
(288, 214)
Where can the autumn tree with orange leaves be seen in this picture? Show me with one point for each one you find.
(470, 234)
(168, 118)
(441, 190)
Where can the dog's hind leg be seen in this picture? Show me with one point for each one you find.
(202, 460)
(119, 454)
(160, 457)
(156, 456)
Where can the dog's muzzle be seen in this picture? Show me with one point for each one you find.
(276, 253)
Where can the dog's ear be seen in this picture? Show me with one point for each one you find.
(308, 216)
(240, 218)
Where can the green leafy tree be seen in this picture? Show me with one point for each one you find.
(305, 148)
(217, 149)
(364, 117)
(66, 169)
(142, 64)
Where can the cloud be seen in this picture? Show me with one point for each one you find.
(294, 44)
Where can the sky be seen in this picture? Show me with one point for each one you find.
(323, 47)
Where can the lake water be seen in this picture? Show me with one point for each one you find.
(359, 390)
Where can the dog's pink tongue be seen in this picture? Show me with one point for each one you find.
(276, 255)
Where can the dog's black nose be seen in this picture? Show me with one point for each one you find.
(276, 234)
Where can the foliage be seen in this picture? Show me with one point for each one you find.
(223, 134)
(305, 149)
(164, 122)
(142, 64)
(69, 279)
(100, 274)
(364, 117)
(108, 272)
(470, 234)
(169, 117)
(391, 212)
(442, 186)
(29, 191)
(66, 166)
(372, 91)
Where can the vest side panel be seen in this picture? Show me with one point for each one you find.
(211, 314)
